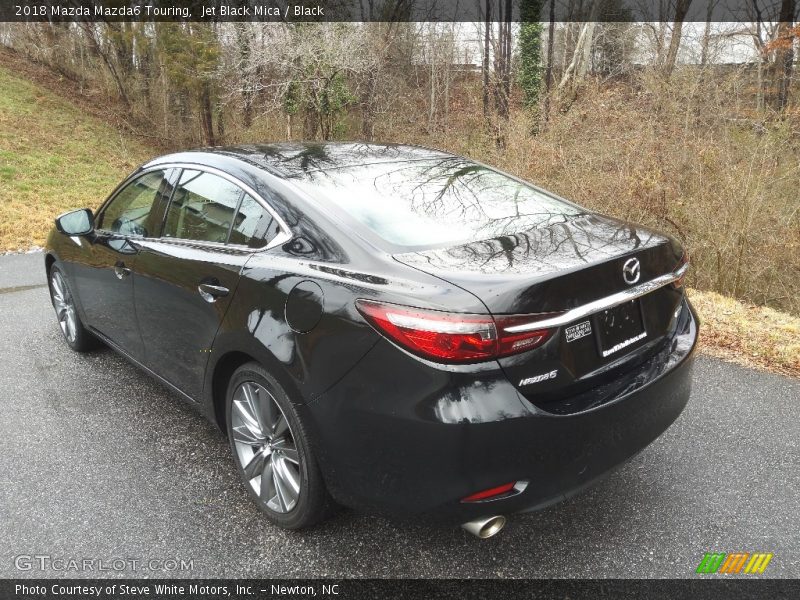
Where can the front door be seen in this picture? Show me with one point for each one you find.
(104, 281)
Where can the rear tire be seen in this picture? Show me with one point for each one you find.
(75, 334)
(272, 452)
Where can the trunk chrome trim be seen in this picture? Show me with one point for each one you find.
(601, 304)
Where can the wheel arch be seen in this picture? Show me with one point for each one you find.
(224, 365)
(49, 260)
(221, 375)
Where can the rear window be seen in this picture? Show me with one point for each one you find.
(426, 203)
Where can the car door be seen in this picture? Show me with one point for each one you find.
(185, 280)
(103, 278)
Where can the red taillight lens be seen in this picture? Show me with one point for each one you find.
(514, 343)
(500, 490)
(448, 337)
(434, 334)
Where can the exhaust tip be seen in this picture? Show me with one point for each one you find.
(486, 527)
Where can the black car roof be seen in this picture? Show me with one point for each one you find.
(294, 159)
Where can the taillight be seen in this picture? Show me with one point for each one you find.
(449, 337)
(500, 490)
(683, 264)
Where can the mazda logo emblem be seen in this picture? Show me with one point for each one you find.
(631, 271)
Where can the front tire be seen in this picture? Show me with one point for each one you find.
(271, 450)
(75, 334)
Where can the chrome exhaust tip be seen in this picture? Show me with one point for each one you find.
(486, 527)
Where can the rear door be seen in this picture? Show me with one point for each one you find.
(104, 278)
(185, 279)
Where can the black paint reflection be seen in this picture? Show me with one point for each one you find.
(309, 241)
(482, 401)
(293, 159)
(561, 243)
(424, 202)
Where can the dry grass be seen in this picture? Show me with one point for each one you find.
(754, 336)
(53, 157)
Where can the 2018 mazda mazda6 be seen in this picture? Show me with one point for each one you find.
(386, 327)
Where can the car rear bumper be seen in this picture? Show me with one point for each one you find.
(399, 437)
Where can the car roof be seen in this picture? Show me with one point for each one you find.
(293, 160)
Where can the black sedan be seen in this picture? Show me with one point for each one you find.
(385, 327)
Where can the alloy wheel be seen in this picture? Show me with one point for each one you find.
(265, 447)
(65, 307)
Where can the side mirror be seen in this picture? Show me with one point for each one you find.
(76, 222)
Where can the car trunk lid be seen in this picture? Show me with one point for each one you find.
(572, 266)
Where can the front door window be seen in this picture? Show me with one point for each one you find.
(130, 212)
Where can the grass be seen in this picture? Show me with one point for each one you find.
(53, 157)
(754, 336)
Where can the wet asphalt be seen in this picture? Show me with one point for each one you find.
(100, 462)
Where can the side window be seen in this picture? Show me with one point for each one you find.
(254, 226)
(129, 211)
(202, 208)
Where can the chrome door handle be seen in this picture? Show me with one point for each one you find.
(121, 271)
(210, 292)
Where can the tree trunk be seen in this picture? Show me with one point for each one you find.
(486, 47)
(220, 124)
(784, 60)
(707, 34)
(587, 51)
(681, 8)
(548, 80)
(245, 49)
(368, 104)
(98, 49)
(207, 115)
(432, 91)
(502, 63)
(507, 74)
(576, 70)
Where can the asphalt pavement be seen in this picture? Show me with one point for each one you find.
(100, 462)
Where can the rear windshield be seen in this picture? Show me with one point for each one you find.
(435, 202)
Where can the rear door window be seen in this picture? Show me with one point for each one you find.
(203, 208)
(254, 226)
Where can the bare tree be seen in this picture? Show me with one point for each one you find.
(316, 66)
(577, 67)
(548, 79)
(784, 51)
(681, 8)
(486, 50)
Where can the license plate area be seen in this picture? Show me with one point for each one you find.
(619, 329)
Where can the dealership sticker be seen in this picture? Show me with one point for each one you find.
(576, 332)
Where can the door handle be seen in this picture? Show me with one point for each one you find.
(210, 292)
(120, 270)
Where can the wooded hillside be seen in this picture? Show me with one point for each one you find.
(638, 120)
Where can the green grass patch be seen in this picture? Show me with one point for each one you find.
(53, 157)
